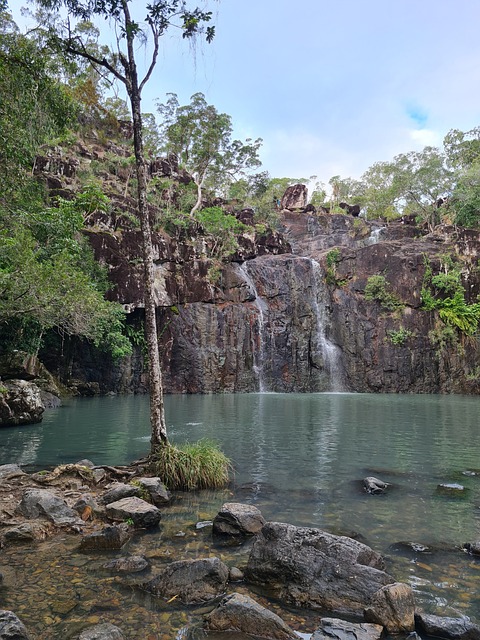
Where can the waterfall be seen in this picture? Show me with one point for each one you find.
(374, 237)
(258, 351)
(331, 353)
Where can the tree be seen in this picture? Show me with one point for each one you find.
(122, 65)
(201, 138)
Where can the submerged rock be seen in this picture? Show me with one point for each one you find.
(240, 613)
(104, 631)
(311, 568)
(191, 581)
(129, 564)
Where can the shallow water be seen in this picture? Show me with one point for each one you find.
(300, 459)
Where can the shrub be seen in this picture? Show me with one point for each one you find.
(400, 336)
(200, 465)
(377, 289)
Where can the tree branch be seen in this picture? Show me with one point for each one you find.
(154, 56)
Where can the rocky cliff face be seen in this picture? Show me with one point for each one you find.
(293, 318)
(289, 312)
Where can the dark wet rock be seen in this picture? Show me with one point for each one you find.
(11, 627)
(473, 548)
(336, 629)
(191, 581)
(444, 627)
(240, 613)
(129, 564)
(141, 513)
(373, 485)
(409, 548)
(118, 491)
(25, 532)
(108, 539)
(8, 471)
(236, 519)
(21, 403)
(156, 490)
(393, 607)
(103, 631)
(311, 568)
(88, 503)
(40, 503)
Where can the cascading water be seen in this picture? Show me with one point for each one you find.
(330, 352)
(258, 351)
(375, 236)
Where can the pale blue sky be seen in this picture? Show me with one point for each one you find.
(332, 86)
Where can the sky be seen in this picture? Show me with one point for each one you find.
(331, 86)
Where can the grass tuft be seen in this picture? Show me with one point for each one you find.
(198, 465)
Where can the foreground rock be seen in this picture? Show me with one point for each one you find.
(236, 519)
(190, 581)
(141, 513)
(393, 607)
(105, 631)
(336, 629)
(157, 492)
(20, 403)
(108, 539)
(39, 503)
(11, 627)
(239, 613)
(311, 568)
(450, 628)
(8, 471)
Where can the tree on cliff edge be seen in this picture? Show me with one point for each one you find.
(161, 15)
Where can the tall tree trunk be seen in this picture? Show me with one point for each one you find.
(157, 411)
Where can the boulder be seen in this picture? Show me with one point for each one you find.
(118, 491)
(473, 548)
(393, 607)
(108, 539)
(11, 627)
(240, 613)
(336, 629)
(310, 568)
(103, 631)
(142, 513)
(8, 471)
(444, 627)
(191, 581)
(374, 485)
(20, 403)
(236, 519)
(129, 564)
(20, 365)
(157, 491)
(25, 532)
(41, 503)
(295, 198)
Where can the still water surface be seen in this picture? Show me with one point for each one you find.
(301, 459)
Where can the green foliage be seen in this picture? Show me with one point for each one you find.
(333, 257)
(377, 288)
(445, 293)
(222, 230)
(399, 336)
(187, 467)
(201, 138)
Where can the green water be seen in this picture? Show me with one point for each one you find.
(301, 459)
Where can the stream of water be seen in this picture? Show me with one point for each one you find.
(300, 459)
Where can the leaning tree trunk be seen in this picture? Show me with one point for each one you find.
(157, 411)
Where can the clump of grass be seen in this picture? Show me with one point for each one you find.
(199, 465)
